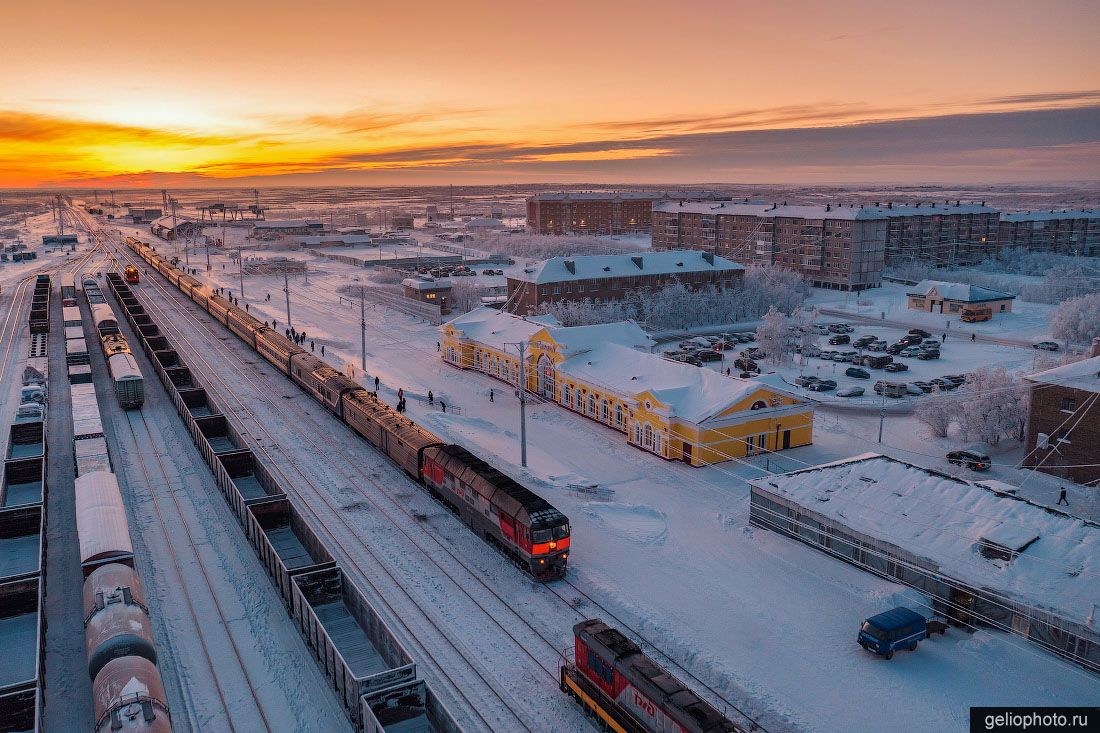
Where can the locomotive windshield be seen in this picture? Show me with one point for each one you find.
(561, 531)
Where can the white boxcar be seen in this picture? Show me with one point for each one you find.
(72, 316)
(101, 525)
(91, 455)
(86, 422)
(126, 376)
(74, 332)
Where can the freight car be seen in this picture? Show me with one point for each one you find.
(116, 619)
(101, 528)
(518, 522)
(629, 692)
(128, 696)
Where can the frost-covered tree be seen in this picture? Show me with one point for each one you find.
(994, 406)
(774, 336)
(1077, 319)
(937, 414)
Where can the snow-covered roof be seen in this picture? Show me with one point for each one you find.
(622, 195)
(960, 292)
(943, 519)
(496, 327)
(817, 211)
(579, 339)
(426, 283)
(287, 224)
(484, 222)
(691, 393)
(562, 269)
(1083, 375)
(336, 239)
(1020, 216)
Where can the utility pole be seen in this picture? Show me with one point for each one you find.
(522, 346)
(286, 289)
(363, 327)
(881, 420)
(240, 268)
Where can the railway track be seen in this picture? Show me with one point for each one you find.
(718, 698)
(351, 544)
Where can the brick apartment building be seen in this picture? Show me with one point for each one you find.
(600, 212)
(837, 247)
(1063, 427)
(1065, 232)
(943, 234)
(604, 278)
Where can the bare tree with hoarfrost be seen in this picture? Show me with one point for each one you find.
(1078, 319)
(937, 414)
(774, 336)
(994, 406)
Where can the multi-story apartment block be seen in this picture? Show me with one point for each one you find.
(838, 247)
(600, 212)
(941, 234)
(1065, 232)
(605, 278)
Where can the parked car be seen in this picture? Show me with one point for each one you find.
(746, 364)
(956, 379)
(973, 460)
(898, 628)
(840, 328)
(857, 373)
(29, 411)
(913, 390)
(810, 351)
(895, 349)
(850, 356)
(823, 385)
(840, 338)
(912, 339)
(850, 392)
(928, 354)
(909, 352)
(805, 380)
(826, 354)
(686, 358)
(1045, 346)
(708, 355)
(823, 330)
(924, 386)
(943, 384)
(896, 366)
(891, 389)
(753, 353)
(919, 332)
(748, 375)
(838, 356)
(863, 341)
(877, 362)
(877, 345)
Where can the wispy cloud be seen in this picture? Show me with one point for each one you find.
(27, 127)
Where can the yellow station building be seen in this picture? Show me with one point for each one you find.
(608, 374)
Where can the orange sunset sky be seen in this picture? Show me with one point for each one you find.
(339, 92)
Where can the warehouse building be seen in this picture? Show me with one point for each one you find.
(271, 229)
(1067, 232)
(143, 215)
(983, 555)
(606, 373)
(605, 278)
(1063, 426)
(166, 229)
(601, 212)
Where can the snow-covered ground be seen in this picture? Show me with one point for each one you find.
(668, 548)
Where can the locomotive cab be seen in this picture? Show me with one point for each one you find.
(131, 274)
(549, 544)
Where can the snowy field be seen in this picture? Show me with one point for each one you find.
(769, 622)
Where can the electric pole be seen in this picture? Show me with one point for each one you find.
(240, 268)
(286, 289)
(363, 327)
(207, 252)
(522, 346)
(881, 420)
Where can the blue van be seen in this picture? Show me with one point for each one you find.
(898, 628)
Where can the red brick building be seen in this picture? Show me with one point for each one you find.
(604, 278)
(600, 212)
(1063, 426)
(1066, 232)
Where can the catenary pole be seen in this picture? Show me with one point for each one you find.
(286, 289)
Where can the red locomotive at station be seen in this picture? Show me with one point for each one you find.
(131, 274)
(629, 692)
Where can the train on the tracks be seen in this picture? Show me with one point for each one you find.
(127, 691)
(131, 274)
(126, 378)
(515, 520)
(628, 692)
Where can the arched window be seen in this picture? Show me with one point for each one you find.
(619, 415)
(603, 410)
(566, 394)
(648, 439)
(592, 405)
(578, 400)
(637, 434)
(657, 443)
(759, 405)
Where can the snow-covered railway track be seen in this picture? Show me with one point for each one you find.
(175, 522)
(431, 601)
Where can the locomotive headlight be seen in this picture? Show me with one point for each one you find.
(542, 562)
(553, 545)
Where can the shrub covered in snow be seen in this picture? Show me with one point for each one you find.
(1077, 319)
(676, 306)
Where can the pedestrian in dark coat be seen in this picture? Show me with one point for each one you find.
(490, 395)
(311, 346)
(376, 384)
(945, 337)
(322, 348)
(973, 337)
(1062, 496)
(401, 393)
(431, 398)
(443, 405)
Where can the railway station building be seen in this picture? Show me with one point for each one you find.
(607, 373)
(983, 555)
(937, 296)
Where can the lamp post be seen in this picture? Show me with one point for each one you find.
(522, 347)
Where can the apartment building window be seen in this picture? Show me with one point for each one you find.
(1069, 404)
(557, 291)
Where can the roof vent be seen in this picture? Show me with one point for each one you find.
(708, 257)
(679, 264)
(637, 261)
(889, 204)
(571, 265)
(828, 207)
(607, 269)
(957, 202)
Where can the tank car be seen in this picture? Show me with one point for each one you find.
(116, 619)
(128, 696)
